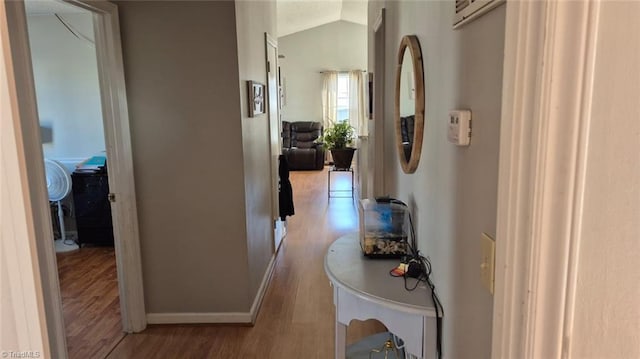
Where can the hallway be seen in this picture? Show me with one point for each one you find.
(297, 315)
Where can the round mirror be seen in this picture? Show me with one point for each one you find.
(409, 111)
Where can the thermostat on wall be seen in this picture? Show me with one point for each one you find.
(460, 127)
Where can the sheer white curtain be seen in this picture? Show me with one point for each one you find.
(357, 104)
(329, 98)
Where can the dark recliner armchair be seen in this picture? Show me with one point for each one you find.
(299, 146)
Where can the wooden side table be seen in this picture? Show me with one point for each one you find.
(363, 289)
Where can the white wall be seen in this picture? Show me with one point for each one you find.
(253, 19)
(607, 313)
(67, 88)
(338, 46)
(23, 325)
(453, 193)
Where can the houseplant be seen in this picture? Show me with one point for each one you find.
(337, 139)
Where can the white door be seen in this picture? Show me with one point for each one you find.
(274, 134)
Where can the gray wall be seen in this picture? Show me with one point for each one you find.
(181, 69)
(453, 193)
(253, 20)
(340, 45)
(68, 94)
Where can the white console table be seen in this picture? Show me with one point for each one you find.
(363, 289)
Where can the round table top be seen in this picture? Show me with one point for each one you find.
(369, 279)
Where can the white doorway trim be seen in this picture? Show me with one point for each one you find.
(121, 178)
(121, 181)
(23, 322)
(376, 143)
(275, 139)
(547, 89)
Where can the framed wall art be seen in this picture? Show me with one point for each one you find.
(257, 98)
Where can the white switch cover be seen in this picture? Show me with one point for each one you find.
(487, 266)
(459, 129)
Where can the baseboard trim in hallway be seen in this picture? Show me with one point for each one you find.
(266, 280)
(199, 318)
(295, 315)
(219, 318)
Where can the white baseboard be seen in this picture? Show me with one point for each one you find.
(279, 233)
(231, 317)
(262, 289)
(193, 318)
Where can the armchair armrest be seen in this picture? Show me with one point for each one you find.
(319, 146)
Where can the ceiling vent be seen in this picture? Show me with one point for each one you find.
(468, 10)
(461, 5)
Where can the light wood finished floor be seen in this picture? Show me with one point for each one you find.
(297, 316)
(90, 301)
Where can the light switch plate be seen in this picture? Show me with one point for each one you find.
(487, 265)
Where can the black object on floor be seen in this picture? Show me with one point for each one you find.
(92, 208)
(285, 190)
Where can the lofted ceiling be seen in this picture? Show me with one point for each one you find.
(293, 15)
(299, 15)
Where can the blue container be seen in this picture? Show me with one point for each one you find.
(384, 229)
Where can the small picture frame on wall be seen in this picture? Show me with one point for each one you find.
(257, 98)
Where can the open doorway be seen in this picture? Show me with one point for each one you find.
(118, 151)
(324, 81)
(65, 70)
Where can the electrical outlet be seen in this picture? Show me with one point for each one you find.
(487, 265)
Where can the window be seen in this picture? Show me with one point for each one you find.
(343, 97)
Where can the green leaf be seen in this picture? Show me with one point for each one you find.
(338, 136)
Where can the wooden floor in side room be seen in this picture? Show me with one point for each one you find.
(90, 301)
(297, 315)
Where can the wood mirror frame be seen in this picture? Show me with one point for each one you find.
(410, 164)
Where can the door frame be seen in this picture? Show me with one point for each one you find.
(376, 143)
(279, 228)
(121, 179)
(22, 300)
(543, 150)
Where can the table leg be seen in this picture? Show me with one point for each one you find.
(328, 184)
(429, 345)
(341, 341)
(352, 186)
